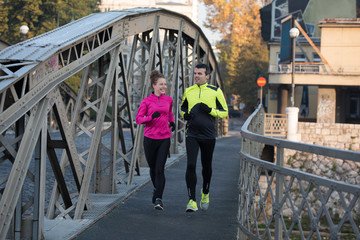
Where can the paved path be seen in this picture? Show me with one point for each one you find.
(136, 218)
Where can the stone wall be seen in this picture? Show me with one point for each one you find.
(340, 136)
(336, 135)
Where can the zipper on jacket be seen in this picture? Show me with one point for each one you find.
(199, 91)
(159, 100)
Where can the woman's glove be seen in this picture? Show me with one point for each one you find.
(172, 126)
(205, 108)
(155, 115)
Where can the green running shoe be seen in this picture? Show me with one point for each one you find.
(204, 203)
(192, 206)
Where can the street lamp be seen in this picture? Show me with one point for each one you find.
(23, 31)
(294, 33)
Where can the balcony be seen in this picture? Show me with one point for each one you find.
(314, 74)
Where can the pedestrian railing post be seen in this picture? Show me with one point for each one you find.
(277, 208)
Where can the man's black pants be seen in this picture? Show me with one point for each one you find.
(192, 149)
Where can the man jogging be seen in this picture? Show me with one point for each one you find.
(200, 105)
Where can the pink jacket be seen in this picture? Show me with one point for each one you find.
(157, 128)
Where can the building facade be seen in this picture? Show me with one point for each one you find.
(188, 8)
(327, 66)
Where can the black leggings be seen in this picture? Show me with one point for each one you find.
(156, 151)
(192, 148)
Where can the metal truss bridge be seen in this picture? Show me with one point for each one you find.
(113, 53)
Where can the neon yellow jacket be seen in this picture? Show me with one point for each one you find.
(201, 124)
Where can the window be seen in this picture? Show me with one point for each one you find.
(281, 67)
(315, 57)
(300, 57)
(311, 29)
(354, 107)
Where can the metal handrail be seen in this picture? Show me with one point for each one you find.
(312, 68)
(267, 189)
(275, 125)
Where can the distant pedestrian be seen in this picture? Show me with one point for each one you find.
(200, 105)
(155, 112)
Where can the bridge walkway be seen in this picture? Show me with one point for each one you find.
(143, 222)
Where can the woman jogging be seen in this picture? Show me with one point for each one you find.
(155, 112)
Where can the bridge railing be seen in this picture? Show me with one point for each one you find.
(275, 125)
(279, 202)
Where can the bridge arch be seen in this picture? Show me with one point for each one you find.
(115, 52)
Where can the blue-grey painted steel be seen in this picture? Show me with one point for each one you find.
(40, 48)
(32, 52)
(35, 50)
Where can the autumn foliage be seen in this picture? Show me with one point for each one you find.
(243, 54)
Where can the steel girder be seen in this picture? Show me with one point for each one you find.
(115, 52)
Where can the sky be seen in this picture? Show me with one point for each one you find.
(211, 36)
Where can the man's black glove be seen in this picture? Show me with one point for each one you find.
(187, 116)
(172, 126)
(205, 108)
(155, 115)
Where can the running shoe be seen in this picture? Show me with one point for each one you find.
(158, 204)
(204, 203)
(192, 206)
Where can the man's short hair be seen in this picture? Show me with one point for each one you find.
(203, 65)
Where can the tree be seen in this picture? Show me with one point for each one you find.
(3, 19)
(242, 51)
(40, 16)
(17, 13)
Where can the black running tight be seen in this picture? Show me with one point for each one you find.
(192, 148)
(156, 151)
